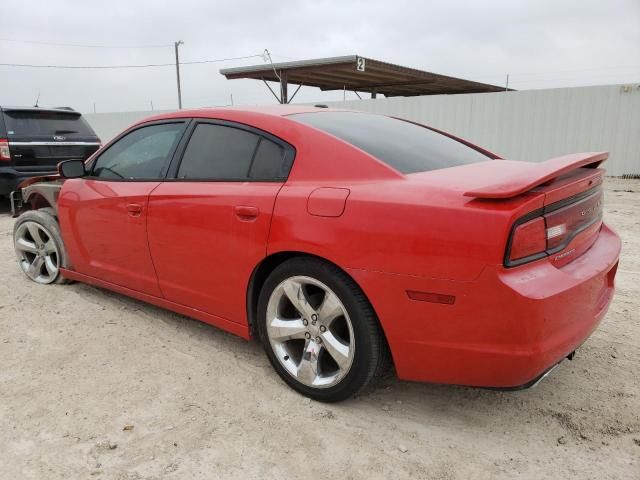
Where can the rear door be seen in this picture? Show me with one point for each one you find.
(39, 139)
(103, 216)
(208, 227)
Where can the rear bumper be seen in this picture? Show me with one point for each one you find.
(505, 328)
(10, 178)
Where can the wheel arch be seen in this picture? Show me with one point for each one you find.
(40, 195)
(37, 201)
(268, 265)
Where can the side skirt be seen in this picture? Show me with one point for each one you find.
(222, 323)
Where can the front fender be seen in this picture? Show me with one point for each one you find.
(36, 195)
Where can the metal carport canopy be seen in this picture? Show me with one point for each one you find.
(359, 74)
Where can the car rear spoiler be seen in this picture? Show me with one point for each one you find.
(518, 181)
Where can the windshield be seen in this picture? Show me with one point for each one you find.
(405, 146)
(29, 123)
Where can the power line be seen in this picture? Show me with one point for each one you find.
(148, 65)
(36, 42)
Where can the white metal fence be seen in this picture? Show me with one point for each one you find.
(531, 125)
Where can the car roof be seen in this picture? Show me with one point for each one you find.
(269, 110)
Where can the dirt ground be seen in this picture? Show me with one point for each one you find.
(79, 365)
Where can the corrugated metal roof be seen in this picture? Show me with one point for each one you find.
(353, 72)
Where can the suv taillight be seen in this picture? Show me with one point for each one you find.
(5, 154)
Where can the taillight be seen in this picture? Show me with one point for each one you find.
(528, 239)
(555, 227)
(5, 153)
(565, 222)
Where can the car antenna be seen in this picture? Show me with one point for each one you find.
(37, 100)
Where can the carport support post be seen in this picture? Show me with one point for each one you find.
(175, 46)
(284, 96)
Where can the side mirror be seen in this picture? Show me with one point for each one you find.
(71, 168)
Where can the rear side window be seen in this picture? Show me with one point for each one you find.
(218, 152)
(223, 153)
(29, 124)
(269, 164)
(139, 155)
(407, 147)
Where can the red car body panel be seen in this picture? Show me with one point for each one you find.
(192, 247)
(505, 327)
(183, 223)
(104, 226)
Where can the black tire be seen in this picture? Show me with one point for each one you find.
(370, 353)
(46, 218)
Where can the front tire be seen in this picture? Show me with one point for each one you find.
(39, 246)
(319, 330)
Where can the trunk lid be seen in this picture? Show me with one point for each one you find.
(572, 206)
(565, 192)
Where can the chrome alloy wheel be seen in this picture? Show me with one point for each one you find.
(310, 331)
(37, 252)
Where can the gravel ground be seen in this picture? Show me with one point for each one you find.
(95, 385)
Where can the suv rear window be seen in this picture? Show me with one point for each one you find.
(28, 123)
(405, 146)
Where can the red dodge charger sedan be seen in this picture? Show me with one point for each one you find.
(343, 240)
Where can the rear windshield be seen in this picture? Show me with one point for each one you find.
(46, 123)
(407, 147)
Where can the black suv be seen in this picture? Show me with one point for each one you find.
(33, 140)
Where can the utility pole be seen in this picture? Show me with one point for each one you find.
(176, 45)
(506, 88)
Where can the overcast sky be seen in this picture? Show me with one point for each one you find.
(541, 44)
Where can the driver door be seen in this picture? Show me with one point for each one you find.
(104, 215)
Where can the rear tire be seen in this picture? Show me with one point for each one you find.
(39, 246)
(319, 331)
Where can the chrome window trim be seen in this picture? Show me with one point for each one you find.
(53, 143)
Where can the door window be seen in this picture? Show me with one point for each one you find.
(222, 153)
(141, 154)
(269, 162)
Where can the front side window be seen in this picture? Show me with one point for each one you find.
(223, 153)
(139, 155)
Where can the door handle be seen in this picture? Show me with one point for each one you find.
(246, 213)
(134, 209)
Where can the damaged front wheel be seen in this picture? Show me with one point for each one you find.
(39, 247)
